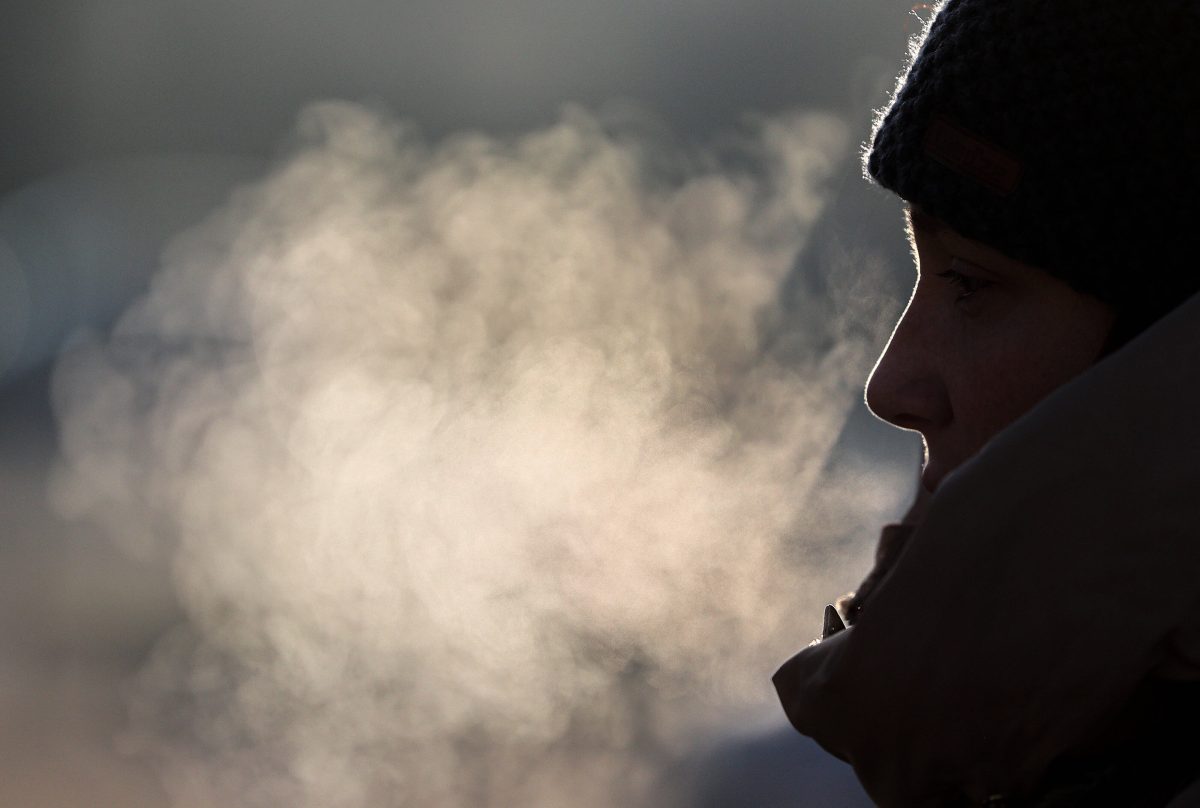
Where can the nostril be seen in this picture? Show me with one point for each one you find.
(907, 421)
(909, 398)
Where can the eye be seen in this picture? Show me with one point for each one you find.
(965, 284)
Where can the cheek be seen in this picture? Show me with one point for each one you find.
(991, 393)
(1013, 368)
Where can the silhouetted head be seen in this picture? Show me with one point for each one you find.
(1049, 156)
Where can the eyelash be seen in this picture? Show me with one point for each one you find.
(967, 285)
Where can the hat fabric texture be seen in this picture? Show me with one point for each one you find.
(1064, 133)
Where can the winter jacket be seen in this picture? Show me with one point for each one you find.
(1043, 620)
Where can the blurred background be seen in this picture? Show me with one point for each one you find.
(700, 158)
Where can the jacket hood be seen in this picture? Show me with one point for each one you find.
(1052, 574)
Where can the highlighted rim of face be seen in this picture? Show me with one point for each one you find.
(983, 339)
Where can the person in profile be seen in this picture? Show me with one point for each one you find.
(1030, 634)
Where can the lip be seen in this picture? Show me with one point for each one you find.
(931, 475)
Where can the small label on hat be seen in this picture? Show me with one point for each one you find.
(969, 154)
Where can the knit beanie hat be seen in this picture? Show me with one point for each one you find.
(1063, 133)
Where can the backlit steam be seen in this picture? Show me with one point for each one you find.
(478, 482)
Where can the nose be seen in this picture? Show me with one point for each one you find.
(906, 388)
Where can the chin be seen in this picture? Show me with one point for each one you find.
(932, 475)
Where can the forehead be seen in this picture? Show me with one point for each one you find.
(925, 229)
(917, 219)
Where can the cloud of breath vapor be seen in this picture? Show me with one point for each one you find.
(479, 482)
